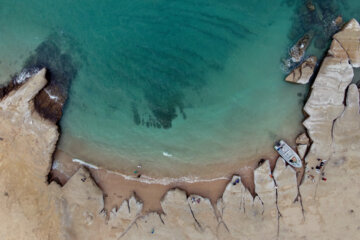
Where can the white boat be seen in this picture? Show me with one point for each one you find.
(288, 154)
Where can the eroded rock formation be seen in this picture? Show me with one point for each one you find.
(297, 52)
(281, 209)
(28, 204)
(303, 73)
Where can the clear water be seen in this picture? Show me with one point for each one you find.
(170, 83)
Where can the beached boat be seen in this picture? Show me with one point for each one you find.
(288, 154)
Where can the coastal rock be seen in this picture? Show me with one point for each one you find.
(264, 184)
(179, 216)
(346, 132)
(301, 149)
(297, 52)
(302, 139)
(238, 206)
(49, 103)
(339, 21)
(349, 39)
(29, 206)
(303, 73)
(290, 209)
(325, 103)
(285, 177)
(310, 6)
(82, 206)
(61, 70)
(203, 212)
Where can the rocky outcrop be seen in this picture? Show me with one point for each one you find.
(61, 70)
(302, 144)
(303, 73)
(346, 130)
(302, 139)
(297, 52)
(28, 205)
(349, 39)
(326, 101)
(324, 206)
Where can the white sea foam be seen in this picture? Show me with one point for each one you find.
(85, 163)
(52, 97)
(151, 180)
(25, 74)
(166, 154)
(55, 165)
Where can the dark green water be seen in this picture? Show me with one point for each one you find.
(164, 82)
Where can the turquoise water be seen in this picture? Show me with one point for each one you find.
(162, 82)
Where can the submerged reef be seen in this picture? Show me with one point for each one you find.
(58, 56)
(316, 17)
(314, 21)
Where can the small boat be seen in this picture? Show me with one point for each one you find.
(288, 154)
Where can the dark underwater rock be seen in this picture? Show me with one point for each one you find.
(61, 70)
(322, 18)
(297, 52)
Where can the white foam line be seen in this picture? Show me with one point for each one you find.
(25, 74)
(85, 163)
(150, 180)
(166, 154)
(52, 97)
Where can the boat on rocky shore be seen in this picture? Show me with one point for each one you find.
(288, 154)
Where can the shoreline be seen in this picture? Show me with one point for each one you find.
(206, 172)
(150, 190)
(151, 183)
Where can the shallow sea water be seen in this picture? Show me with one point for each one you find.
(167, 83)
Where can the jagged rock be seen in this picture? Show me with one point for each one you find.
(285, 177)
(264, 184)
(291, 211)
(303, 73)
(179, 217)
(287, 184)
(149, 226)
(302, 139)
(310, 6)
(238, 206)
(301, 149)
(203, 211)
(349, 39)
(29, 206)
(83, 204)
(297, 52)
(339, 21)
(325, 103)
(49, 103)
(346, 133)
(61, 70)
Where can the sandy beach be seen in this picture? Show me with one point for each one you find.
(118, 187)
